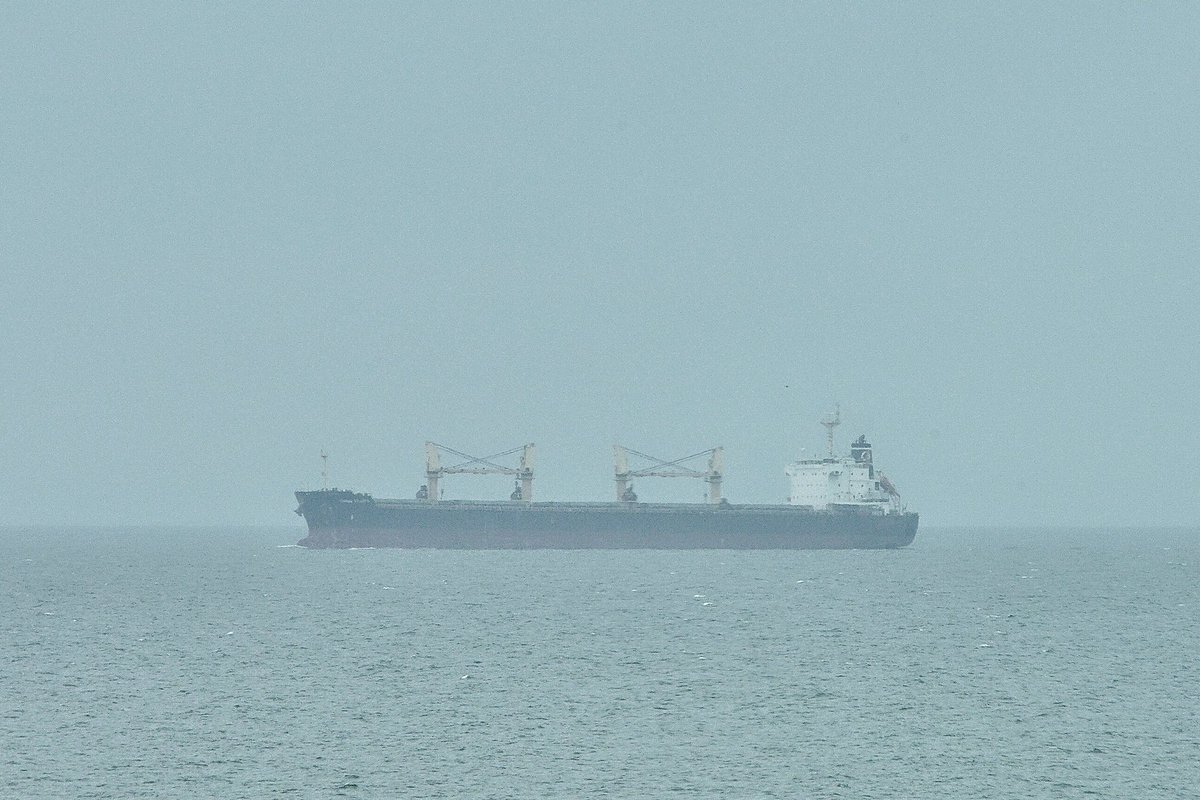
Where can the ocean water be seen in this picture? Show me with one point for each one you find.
(226, 664)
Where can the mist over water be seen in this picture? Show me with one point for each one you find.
(224, 663)
(236, 235)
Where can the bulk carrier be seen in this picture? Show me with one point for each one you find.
(835, 503)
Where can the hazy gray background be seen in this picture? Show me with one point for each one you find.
(231, 237)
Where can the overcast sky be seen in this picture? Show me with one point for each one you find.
(232, 235)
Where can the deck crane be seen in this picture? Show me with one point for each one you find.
(660, 468)
(475, 465)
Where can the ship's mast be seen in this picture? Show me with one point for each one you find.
(831, 421)
(324, 469)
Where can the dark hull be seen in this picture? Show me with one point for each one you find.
(344, 519)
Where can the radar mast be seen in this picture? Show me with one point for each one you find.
(831, 421)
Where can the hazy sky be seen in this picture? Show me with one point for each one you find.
(236, 234)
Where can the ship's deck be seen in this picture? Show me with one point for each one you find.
(606, 507)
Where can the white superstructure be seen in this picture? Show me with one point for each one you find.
(842, 484)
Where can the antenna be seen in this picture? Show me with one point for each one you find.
(324, 469)
(831, 421)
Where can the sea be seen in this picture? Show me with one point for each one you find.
(228, 663)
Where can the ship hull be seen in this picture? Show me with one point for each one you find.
(338, 519)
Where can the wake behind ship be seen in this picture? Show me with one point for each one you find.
(835, 503)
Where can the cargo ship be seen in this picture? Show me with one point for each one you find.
(834, 503)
